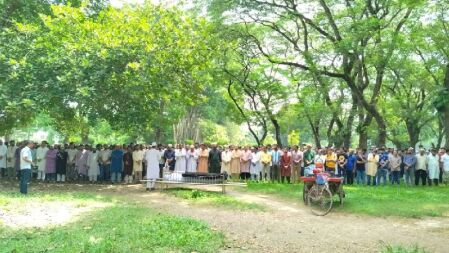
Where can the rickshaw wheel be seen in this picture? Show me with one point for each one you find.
(319, 199)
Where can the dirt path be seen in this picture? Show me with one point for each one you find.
(288, 226)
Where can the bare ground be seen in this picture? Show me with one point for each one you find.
(287, 226)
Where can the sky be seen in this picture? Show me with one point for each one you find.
(119, 3)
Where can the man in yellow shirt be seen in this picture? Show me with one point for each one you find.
(331, 160)
(266, 162)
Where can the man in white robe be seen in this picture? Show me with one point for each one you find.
(433, 167)
(3, 153)
(256, 166)
(192, 159)
(180, 157)
(40, 156)
(152, 157)
(226, 157)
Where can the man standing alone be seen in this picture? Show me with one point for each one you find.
(26, 160)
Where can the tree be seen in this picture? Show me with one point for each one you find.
(352, 41)
(121, 65)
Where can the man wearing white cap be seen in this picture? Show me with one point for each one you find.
(152, 158)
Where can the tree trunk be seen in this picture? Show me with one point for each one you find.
(330, 139)
(382, 130)
(348, 129)
(277, 130)
(445, 113)
(446, 126)
(157, 135)
(363, 140)
(315, 126)
(441, 132)
(363, 130)
(316, 136)
(242, 112)
(413, 131)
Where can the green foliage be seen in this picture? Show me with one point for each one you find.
(293, 138)
(120, 65)
(214, 133)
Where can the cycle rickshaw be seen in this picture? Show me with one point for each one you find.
(319, 190)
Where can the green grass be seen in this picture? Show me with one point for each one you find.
(213, 199)
(119, 227)
(402, 201)
(401, 249)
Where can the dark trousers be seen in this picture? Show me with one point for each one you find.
(369, 179)
(245, 175)
(435, 181)
(105, 173)
(441, 175)
(50, 177)
(24, 180)
(395, 177)
(285, 177)
(382, 176)
(349, 177)
(161, 170)
(420, 174)
(3, 172)
(275, 173)
(302, 171)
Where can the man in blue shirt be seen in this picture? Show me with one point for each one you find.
(409, 166)
(275, 160)
(116, 164)
(169, 157)
(383, 166)
(350, 167)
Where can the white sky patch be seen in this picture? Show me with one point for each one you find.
(120, 3)
(183, 4)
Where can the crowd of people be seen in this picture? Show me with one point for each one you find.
(131, 163)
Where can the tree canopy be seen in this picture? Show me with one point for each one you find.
(343, 73)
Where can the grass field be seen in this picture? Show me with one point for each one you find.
(116, 227)
(213, 199)
(401, 201)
